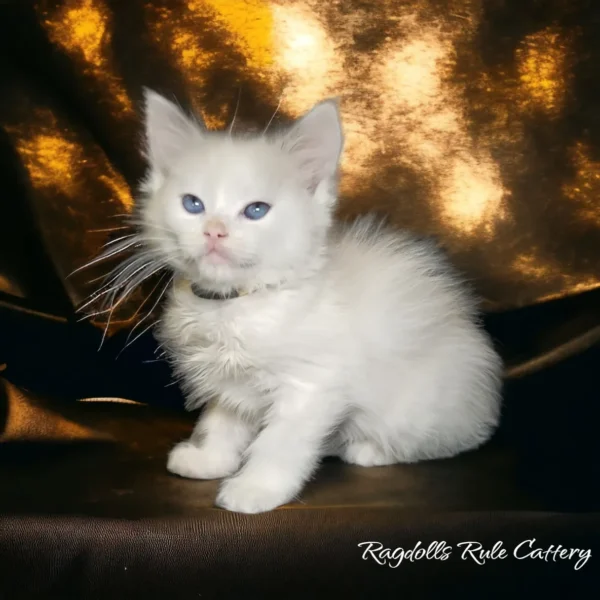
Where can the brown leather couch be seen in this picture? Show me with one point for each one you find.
(474, 122)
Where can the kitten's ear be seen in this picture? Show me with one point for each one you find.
(316, 141)
(168, 130)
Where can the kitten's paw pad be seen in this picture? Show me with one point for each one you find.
(248, 495)
(191, 461)
(366, 454)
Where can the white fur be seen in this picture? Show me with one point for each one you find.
(358, 341)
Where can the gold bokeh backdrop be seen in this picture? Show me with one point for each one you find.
(449, 132)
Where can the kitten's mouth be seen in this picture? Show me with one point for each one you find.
(216, 257)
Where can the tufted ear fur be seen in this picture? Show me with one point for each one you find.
(316, 141)
(168, 130)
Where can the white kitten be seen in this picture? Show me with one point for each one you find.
(357, 341)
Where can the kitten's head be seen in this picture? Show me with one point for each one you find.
(231, 212)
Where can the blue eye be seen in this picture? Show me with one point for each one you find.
(256, 210)
(192, 204)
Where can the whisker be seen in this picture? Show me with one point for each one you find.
(126, 277)
(125, 270)
(131, 262)
(96, 279)
(134, 282)
(113, 305)
(102, 312)
(108, 229)
(123, 237)
(134, 279)
(104, 256)
(151, 227)
(110, 309)
(153, 306)
(273, 116)
(101, 291)
(160, 279)
(236, 111)
(137, 337)
(106, 327)
(100, 278)
(142, 262)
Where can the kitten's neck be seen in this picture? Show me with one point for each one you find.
(294, 276)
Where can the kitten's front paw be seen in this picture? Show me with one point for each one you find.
(191, 461)
(246, 494)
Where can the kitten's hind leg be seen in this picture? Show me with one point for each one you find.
(215, 448)
(366, 453)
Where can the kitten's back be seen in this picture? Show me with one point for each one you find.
(379, 266)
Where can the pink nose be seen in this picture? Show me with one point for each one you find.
(215, 230)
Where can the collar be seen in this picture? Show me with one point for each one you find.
(210, 295)
(205, 294)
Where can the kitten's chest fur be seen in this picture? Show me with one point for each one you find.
(219, 345)
(219, 339)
